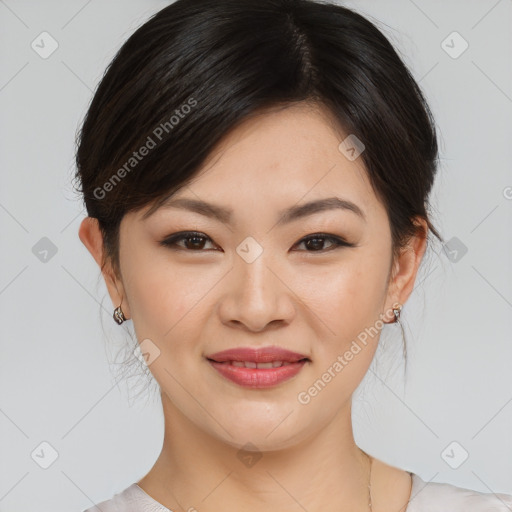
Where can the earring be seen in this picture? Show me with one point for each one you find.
(119, 315)
(397, 308)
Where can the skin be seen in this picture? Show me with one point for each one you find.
(305, 297)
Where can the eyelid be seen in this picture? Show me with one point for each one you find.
(171, 240)
(337, 241)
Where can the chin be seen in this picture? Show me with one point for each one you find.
(260, 429)
(255, 440)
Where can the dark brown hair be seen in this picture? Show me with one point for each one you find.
(198, 68)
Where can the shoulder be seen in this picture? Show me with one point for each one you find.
(131, 499)
(438, 497)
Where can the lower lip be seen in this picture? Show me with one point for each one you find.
(258, 377)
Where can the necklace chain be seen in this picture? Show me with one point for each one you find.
(370, 460)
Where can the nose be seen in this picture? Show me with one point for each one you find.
(256, 297)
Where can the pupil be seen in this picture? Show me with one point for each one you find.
(194, 240)
(311, 243)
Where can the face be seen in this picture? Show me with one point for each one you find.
(266, 274)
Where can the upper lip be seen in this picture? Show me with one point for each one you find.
(257, 355)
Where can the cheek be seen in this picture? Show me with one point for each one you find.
(167, 300)
(347, 298)
(156, 295)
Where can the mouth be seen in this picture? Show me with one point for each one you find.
(258, 368)
(252, 364)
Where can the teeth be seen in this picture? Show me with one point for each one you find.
(252, 364)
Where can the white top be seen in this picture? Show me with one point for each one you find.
(425, 497)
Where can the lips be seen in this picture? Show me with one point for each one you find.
(252, 364)
(258, 368)
(257, 355)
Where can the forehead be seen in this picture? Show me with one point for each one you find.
(278, 160)
(290, 152)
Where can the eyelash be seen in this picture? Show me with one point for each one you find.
(171, 241)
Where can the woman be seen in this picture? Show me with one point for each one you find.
(256, 175)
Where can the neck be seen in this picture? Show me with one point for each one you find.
(195, 470)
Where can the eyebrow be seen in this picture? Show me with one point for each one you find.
(291, 214)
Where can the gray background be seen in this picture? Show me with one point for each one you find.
(62, 380)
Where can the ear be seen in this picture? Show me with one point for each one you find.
(91, 236)
(405, 268)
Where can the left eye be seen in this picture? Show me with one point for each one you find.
(195, 241)
(314, 241)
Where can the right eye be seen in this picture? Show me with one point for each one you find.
(192, 241)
